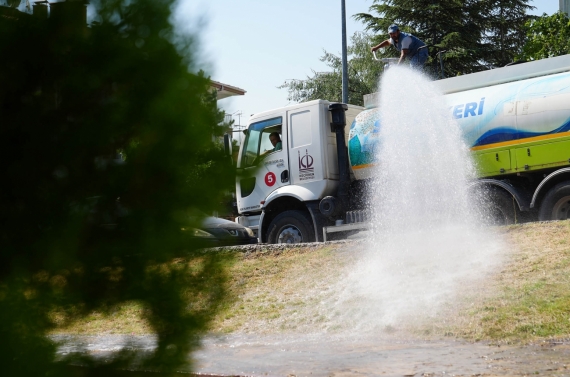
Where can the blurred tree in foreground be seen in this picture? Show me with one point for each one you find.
(105, 136)
(363, 73)
(547, 37)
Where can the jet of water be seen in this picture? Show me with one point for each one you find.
(427, 240)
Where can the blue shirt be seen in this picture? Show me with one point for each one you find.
(412, 48)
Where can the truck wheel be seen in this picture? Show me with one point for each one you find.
(291, 227)
(556, 203)
(501, 208)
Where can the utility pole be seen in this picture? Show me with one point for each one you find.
(236, 128)
(564, 7)
(344, 59)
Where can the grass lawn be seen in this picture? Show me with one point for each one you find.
(281, 289)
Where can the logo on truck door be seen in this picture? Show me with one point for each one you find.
(306, 170)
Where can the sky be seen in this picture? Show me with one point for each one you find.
(257, 45)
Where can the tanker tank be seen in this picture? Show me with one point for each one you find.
(494, 118)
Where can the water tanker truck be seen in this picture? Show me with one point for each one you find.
(308, 187)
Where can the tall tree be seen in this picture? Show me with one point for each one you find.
(473, 33)
(105, 141)
(547, 36)
(363, 73)
(453, 26)
(505, 32)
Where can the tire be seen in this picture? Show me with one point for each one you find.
(556, 203)
(291, 227)
(328, 206)
(500, 208)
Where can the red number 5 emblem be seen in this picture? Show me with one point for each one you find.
(270, 179)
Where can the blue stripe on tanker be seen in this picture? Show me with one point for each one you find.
(499, 135)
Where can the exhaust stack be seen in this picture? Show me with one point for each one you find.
(333, 206)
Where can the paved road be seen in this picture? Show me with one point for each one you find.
(318, 355)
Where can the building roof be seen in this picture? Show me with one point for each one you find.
(225, 90)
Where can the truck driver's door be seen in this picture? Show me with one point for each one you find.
(264, 164)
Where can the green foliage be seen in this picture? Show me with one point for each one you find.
(363, 73)
(505, 30)
(105, 139)
(547, 36)
(222, 125)
(443, 25)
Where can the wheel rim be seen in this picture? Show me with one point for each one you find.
(289, 234)
(497, 217)
(561, 209)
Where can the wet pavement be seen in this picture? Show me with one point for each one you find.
(320, 355)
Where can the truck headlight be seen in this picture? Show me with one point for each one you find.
(249, 232)
(198, 233)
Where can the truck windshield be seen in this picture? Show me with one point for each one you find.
(256, 140)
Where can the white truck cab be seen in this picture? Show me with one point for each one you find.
(278, 189)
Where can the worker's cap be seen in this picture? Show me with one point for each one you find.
(393, 28)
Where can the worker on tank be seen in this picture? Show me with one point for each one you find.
(410, 47)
